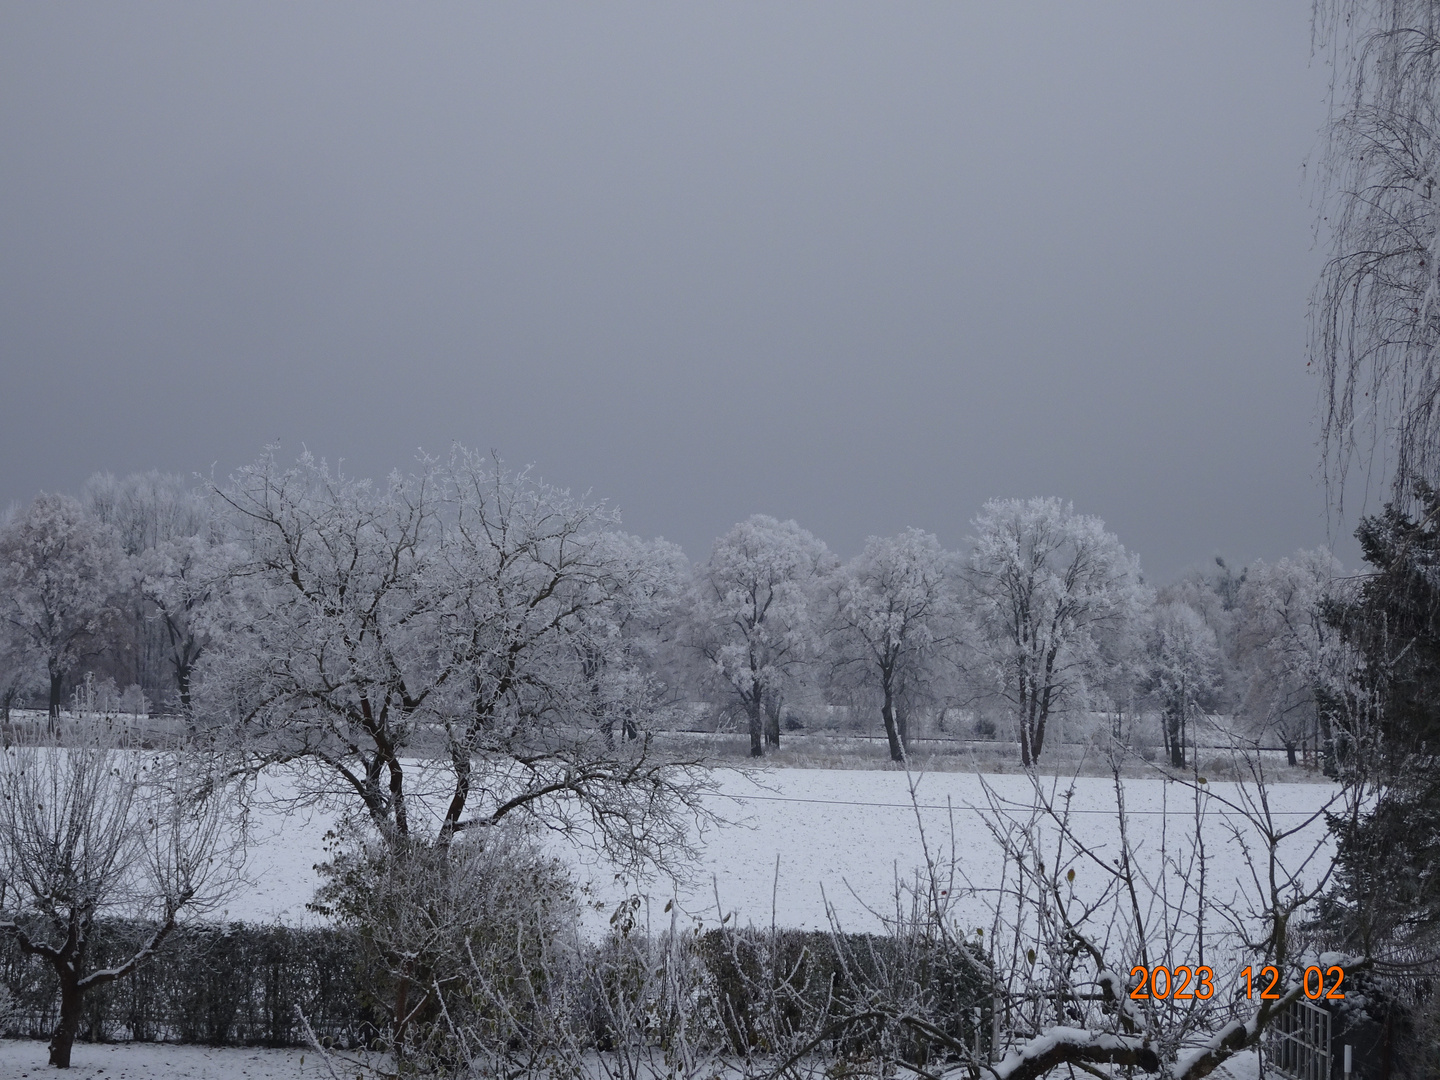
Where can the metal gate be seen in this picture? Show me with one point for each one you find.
(1298, 1045)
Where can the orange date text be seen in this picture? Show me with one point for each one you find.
(1317, 983)
(1182, 983)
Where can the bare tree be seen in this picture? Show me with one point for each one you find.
(88, 828)
(1094, 955)
(1081, 935)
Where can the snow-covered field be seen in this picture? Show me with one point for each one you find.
(840, 836)
(20, 1058)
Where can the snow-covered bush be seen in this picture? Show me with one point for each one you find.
(467, 950)
(793, 993)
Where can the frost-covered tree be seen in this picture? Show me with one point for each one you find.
(451, 651)
(1182, 669)
(1288, 648)
(180, 580)
(1213, 591)
(57, 577)
(457, 608)
(622, 649)
(1052, 596)
(89, 829)
(895, 607)
(754, 615)
(1375, 315)
(20, 672)
(174, 556)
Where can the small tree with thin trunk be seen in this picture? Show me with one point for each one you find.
(88, 829)
(894, 608)
(1182, 667)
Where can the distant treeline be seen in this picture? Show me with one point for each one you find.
(147, 594)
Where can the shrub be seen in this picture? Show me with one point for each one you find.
(220, 985)
(464, 949)
(772, 988)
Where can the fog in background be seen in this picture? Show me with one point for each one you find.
(863, 265)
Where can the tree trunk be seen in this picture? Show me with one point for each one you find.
(772, 728)
(887, 714)
(1177, 747)
(182, 683)
(902, 724)
(1290, 752)
(56, 677)
(64, 1037)
(757, 731)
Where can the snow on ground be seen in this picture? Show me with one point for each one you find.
(846, 832)
(845, 836)
(20, 1058)
(838, 835)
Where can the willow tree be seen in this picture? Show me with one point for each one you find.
(1375, 313)
(1376, 342)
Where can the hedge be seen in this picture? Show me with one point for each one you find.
(238, 984)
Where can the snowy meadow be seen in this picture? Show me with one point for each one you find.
(795, 845)
(809, 849)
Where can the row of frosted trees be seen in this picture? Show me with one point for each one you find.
(459, 589)
(464, 659)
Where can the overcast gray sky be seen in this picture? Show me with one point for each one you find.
(863, 265)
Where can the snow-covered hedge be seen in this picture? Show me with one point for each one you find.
(222, 985)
